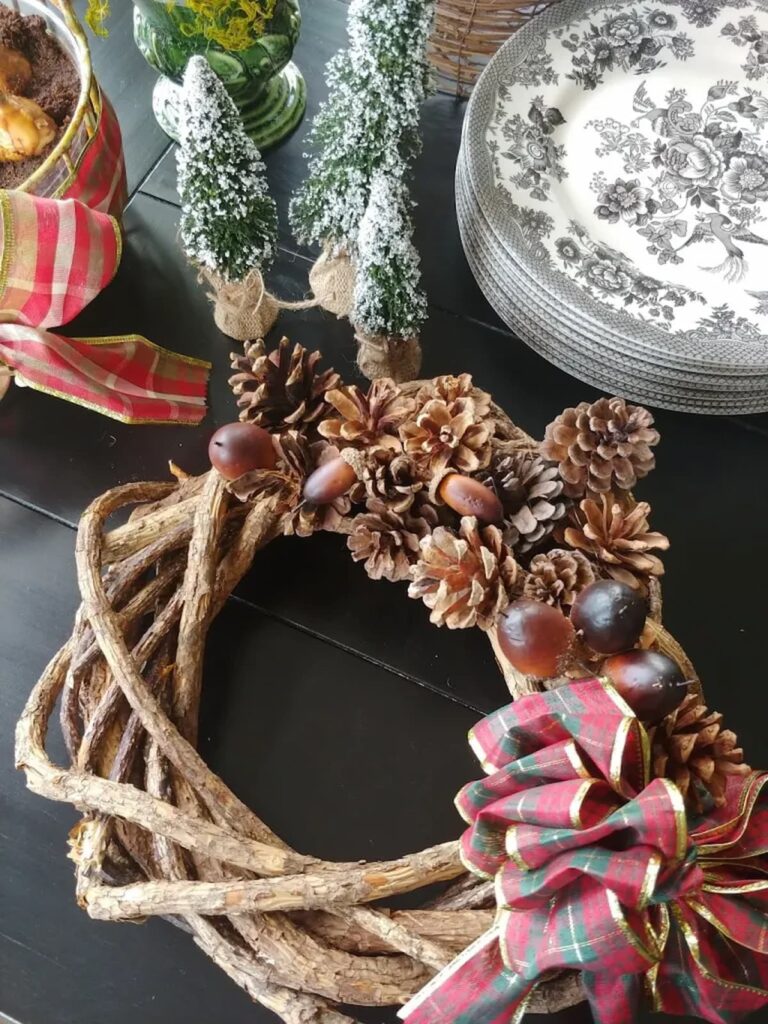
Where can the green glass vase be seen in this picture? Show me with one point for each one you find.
(265, 84)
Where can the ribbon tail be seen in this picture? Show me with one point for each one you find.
(127, 378)
(475, 988)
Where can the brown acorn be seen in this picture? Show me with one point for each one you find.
(469, 497)
(329, 482)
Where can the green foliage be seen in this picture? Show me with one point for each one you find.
(228, 218)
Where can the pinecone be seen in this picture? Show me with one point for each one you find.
(389, 542)
(530, 491)
(448, 388)
(298, 458)
(391, 477)
(367, 419)
(555, 577)
(690, 748)
(601, 445)
(465, 580)
(618, 537)
(280, 389)
(447, 434)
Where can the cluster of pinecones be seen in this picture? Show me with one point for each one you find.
(568, 513)
(568, 516)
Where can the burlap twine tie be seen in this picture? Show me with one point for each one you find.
(245, 309)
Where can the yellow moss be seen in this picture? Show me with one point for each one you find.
(96, 14)
(231, 24)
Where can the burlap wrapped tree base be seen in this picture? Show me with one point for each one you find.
(162, 834)
(379, 356)
(332, 280)
(246, 311)
(243, 310)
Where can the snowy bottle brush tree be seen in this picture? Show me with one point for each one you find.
(367, 128)
(389, 304)
(228, 218)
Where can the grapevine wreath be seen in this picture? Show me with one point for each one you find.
(616, 849)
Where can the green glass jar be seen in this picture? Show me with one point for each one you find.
(265, 84)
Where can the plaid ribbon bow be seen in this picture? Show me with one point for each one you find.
(56, 255)
(597, 870)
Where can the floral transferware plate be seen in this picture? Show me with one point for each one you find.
(601, 338)
(563, 342)
(507, 288)
(619, 151)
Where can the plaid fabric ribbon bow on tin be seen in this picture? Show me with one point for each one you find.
(597, 869)
(56, 255)
(58, 251)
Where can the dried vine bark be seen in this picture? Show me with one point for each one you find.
(162, 834)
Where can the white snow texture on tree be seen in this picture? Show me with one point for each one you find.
(228, 218)
(388, 297)
(371, 116)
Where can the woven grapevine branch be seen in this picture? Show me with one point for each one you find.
(161, 833)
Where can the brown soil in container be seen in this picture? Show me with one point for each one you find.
(55, 84)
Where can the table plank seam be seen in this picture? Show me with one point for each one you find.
(137, 188)
(288, 622)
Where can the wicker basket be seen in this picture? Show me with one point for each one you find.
(58, 172)
(467, 33)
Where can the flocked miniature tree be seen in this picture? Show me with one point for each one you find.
(368, 126)
(389, 304)
(228, 218)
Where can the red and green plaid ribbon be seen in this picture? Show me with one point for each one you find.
(57, 255)
(99, 178)
(598, 870)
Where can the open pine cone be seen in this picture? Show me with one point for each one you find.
(448, 388)
(447, 435)
(617, 535)
(692, 749)
(530, 491)
(391, 477)
(465, 580)
(598, 446)
(282, 389)
(387, 541)
(365, 420)
(556, 577)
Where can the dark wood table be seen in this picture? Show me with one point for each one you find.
(310, 656)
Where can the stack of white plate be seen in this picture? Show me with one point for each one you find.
(612, 194)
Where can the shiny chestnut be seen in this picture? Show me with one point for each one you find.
(535, 638)
(239, 448)
(610, 615)
(649, 681)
